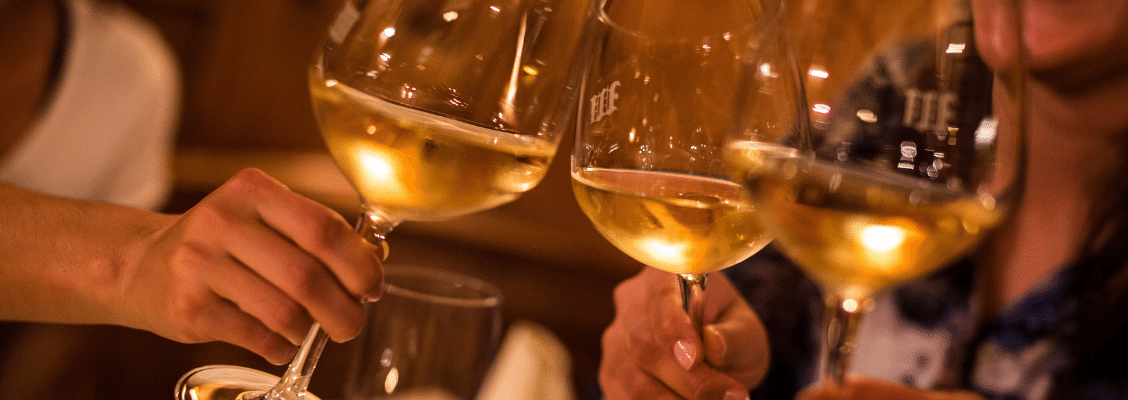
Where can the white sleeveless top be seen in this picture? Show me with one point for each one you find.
(107, 133)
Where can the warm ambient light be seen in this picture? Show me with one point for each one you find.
(385, 173)
(766, 70)
(671, 253)
(882, 238)
(867, 116)
(391, 381)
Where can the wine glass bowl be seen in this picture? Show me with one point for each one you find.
(443, 108)
(895, 162)
(433, 109)
(648, 167)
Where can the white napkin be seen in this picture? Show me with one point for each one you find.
(531, 364)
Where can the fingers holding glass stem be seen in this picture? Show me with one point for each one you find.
(373, 227)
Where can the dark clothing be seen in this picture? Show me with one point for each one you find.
(923, 334)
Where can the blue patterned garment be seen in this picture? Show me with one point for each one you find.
(922, 334)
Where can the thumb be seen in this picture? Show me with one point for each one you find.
(716, 346)
(739, 348)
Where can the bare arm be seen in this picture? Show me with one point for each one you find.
(252, 264)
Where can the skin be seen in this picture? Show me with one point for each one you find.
(651, 350)
(252, 264)
(1077, 117)
(1076, 85)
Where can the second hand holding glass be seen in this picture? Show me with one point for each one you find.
(433, 109)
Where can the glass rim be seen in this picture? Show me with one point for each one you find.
(472, 292)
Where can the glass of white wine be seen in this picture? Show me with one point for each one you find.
(433, 109)
(905, 151)
(648, 167)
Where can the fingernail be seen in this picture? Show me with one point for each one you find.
(715, 344)
(387, 249)
(373, 294)
(685, 352)
(736, 394)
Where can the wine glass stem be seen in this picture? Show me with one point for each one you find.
(692, 296)
(843, 314)
(373, 227)
(296, 380)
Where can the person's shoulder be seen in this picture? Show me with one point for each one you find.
(111, 35)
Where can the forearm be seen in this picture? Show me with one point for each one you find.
(61, 260)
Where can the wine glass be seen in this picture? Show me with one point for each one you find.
(648, 167)
(433, 335)
(904, 153)
(433, 109)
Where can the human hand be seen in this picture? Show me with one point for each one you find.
(651, 350)
(872, 389)
(253, 264)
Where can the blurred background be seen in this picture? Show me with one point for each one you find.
(245, 104)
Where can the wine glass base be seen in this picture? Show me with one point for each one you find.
(226, 382)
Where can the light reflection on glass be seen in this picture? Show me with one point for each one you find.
(985, 133)
(766, 70)
(881, 238)
(391, 381)
(672, 253)
(384, 169)
(867, 116)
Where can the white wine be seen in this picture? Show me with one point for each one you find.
(228, 391)
(414, 165)
(679, 223)
(855, 231)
